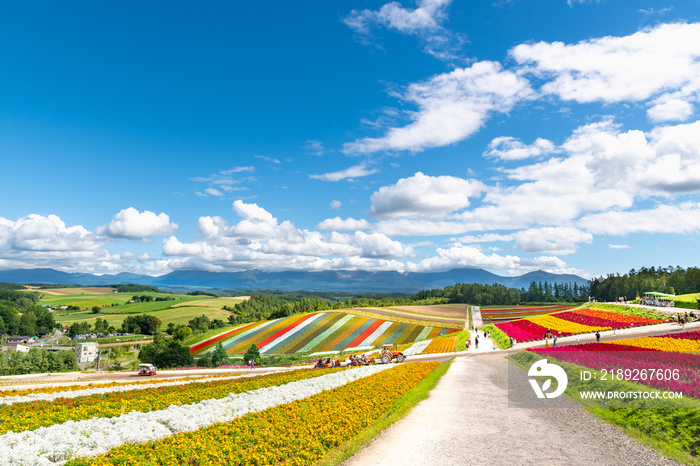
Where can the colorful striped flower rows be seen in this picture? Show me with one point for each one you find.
(167, 413)
(570, 323)
(506, 314)
(667, 362)
(321, 332)
(299, 432)
(33, 414)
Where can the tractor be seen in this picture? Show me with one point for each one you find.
(389, 353)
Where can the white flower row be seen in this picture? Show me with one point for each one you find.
(58, 443)
(8, 400)
(416, 348)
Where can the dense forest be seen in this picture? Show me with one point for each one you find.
(21, 315)
(672, 280)
(484, 295)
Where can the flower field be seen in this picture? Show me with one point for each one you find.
(650, 361)
(30, 414)
(320, 332)
(292, 418)
(491, 314)
(583, 320)
(450, 316)
(440, 345)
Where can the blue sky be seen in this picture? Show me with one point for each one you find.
(413, 136)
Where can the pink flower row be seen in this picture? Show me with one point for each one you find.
(597, 357)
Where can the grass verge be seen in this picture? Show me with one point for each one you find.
(672, 430)
(461, 340)
(497, 335)
(398, 410)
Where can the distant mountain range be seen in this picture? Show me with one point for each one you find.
(338, 280)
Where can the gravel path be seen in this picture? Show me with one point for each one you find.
(476, 316)
(466, 420)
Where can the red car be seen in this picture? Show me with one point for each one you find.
(147, 369)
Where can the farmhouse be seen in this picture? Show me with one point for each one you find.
(7, 347)
(86, 351)
(18, 339)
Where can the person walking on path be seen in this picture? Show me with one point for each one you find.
(476, 342)
(555, 340)
(597, 336)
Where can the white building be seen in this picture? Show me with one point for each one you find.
(86, 351)
(15, 347)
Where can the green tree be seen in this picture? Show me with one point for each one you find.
(166, 354)
(182, 332)
(27, 323)
(252, 353)
(219, 356)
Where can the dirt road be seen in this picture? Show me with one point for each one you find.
(466, 420)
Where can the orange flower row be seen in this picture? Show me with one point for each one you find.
(440, 345)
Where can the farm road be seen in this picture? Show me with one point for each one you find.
(476, 317)
(466, 421)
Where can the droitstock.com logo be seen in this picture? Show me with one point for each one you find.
(544, 369)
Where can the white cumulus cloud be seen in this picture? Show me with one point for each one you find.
(424, 196)
(654, 62)
(131, 224)
(340, 224)
(551, 240)
(509, 148)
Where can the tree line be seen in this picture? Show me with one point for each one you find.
(21, 315)
(485, 295)
(671, 280)
(37, 361)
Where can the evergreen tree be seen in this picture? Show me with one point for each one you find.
(253, 353)
(219, 356)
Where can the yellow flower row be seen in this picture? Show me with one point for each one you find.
(32, 415)
(70, 388)
(296, 433)
(561, 325)
(440, 345)
(661, 343)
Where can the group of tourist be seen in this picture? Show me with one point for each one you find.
(660, 302)
(487, 335)
(682, 318)
(550, 335)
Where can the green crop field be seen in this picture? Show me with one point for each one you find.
(114, 307)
